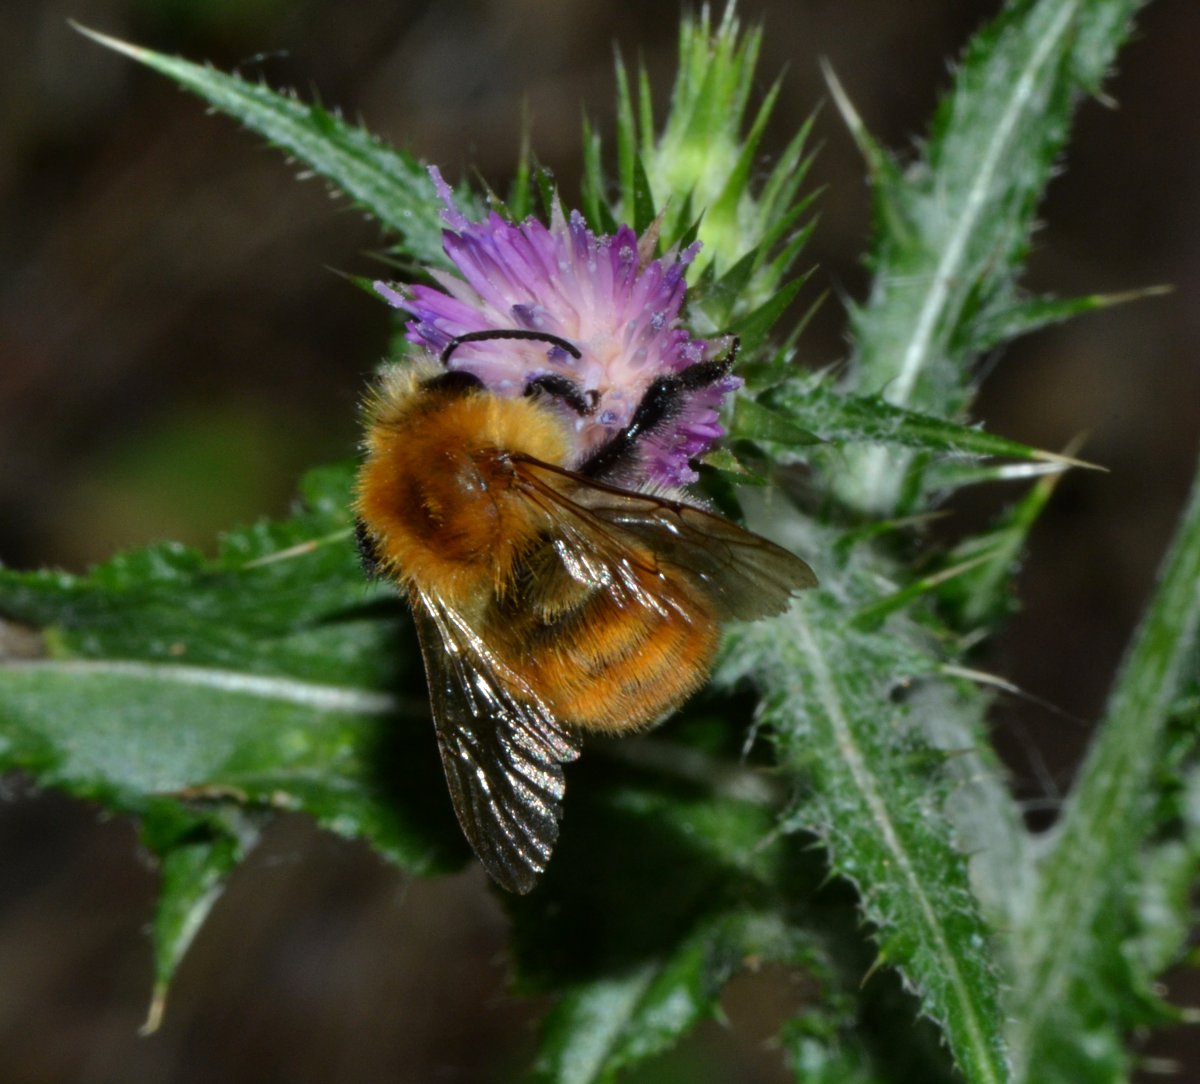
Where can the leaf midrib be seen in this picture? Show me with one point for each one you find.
(916, 355)
(317, 697)
(948, 268)
(866, 785)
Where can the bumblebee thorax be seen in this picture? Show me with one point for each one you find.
(436, 490)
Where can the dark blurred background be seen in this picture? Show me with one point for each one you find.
(174, 350)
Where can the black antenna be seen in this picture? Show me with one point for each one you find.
(509, 333)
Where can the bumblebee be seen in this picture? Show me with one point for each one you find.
(550, 598)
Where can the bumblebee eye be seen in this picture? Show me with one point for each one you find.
(456, 381)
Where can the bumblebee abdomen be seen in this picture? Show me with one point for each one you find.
(617, 660)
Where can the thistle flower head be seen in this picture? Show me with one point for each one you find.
(619, 309)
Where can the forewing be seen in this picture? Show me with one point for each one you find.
(745, 575)
(502, 753)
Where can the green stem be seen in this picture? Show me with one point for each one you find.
(1104, 821)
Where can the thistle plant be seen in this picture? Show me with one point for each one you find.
(858, 827)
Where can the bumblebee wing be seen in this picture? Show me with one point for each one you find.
(745, 575)
(502, 753)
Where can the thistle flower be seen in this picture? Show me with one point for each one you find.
(603, 295)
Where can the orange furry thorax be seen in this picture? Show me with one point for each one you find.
(437, 487)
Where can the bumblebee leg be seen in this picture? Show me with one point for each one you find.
(368, 550)
(660, 402)
(561, 387)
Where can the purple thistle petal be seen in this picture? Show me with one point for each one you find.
(563, 280)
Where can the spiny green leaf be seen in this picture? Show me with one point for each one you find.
(810, 406)
(752, 420)
(876, 798)
(602, 1027)
(754, 327)
(578, 926)
(122, 732)
(988, 824)
(953, 230)
(1085, 886)
(737, 183)
(982, 594)
(636, 979)
(391, 185)
(279, 599)
(1027, 315)
(162, 680)
(197, 849)
(546, 188)
(701, 167)
(627, 145)
(520, 195)
(594, 200)
(644, 211)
